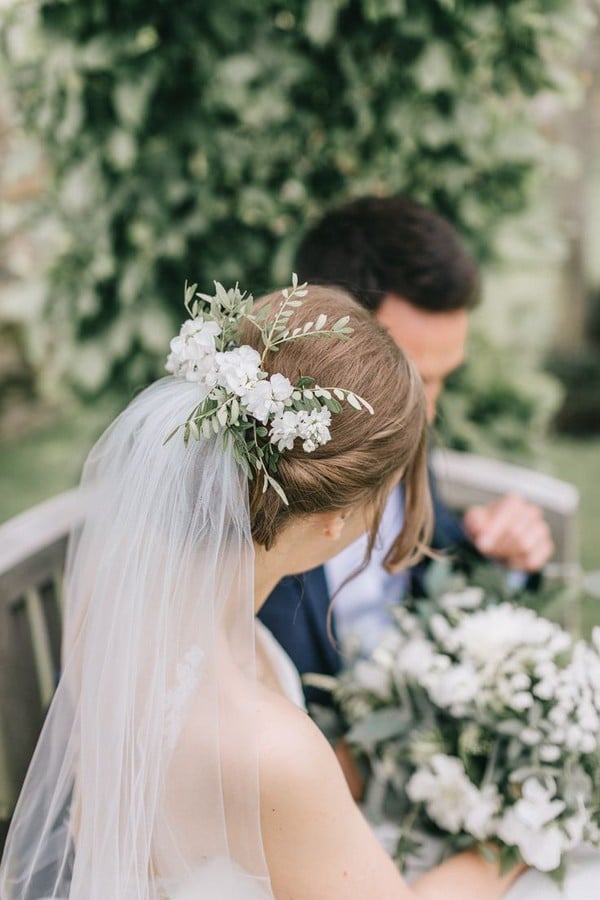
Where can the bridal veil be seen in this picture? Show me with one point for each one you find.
(144, 783)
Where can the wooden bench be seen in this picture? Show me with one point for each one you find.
(32, 554)
(464, 480)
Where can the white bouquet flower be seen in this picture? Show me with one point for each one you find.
(480, 723)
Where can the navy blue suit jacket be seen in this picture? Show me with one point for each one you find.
(296, 611)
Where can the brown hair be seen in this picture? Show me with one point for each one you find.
(366, 453)
(375, 246)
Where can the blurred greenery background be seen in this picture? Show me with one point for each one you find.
(143, 142)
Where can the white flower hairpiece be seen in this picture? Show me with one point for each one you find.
(262, 414)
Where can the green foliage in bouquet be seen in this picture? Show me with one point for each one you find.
(479, 723)
(205, 136)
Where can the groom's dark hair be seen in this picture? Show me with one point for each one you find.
(377, 246)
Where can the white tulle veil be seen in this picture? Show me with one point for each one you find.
(144, 784)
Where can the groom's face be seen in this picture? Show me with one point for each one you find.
(434, 341)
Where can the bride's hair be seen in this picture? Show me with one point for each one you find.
(366, 452)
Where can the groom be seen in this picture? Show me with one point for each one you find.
(407, 265)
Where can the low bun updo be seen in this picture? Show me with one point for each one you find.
(366, 452)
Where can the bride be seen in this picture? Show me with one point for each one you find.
(175, 761)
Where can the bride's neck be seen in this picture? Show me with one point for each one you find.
(270, 567)
(292, 552)
(305, 543)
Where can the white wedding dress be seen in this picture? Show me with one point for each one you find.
(221, 878)
(583, 873)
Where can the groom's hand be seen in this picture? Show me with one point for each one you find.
(512, 531)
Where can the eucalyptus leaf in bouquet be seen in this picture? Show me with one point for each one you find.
(479, 720)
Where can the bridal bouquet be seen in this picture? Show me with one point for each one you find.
(480, 723)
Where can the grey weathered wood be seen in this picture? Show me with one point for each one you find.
(25, 536)
(32, 554)
(465, 479)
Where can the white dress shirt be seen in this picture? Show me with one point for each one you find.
(361, 608)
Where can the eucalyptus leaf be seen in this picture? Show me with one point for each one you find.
(380, 725)
(352, 400)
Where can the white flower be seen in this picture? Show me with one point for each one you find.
(470, 598)
(266, 398)
(520, 682)
(559, 641)
(454, 687)
(558, 716)
(282, 387)
(239, 369)
(549, 753)
(530, 736)
(521, 701)
(193, 351)
(573, 737)
(545, 689)
(530, 825)
(546, 669)
(588, 718)
(197, 333)
(588, 743)
(258, 400)
(415, 658)
(284, 431)
(480, 819)
(440, 627)
(537, 807)
(541, 848)
(452, 801)
(446, 791)
(488, 637)
(313, 428)
(557, 736)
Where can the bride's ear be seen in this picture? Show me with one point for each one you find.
(333, 524)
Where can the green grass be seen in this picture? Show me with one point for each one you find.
(48, 460)
(578, 461)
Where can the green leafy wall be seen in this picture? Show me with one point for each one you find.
(198, 139)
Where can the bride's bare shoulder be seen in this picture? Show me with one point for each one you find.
(316, 840)
(289, 741)
(299, 772)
